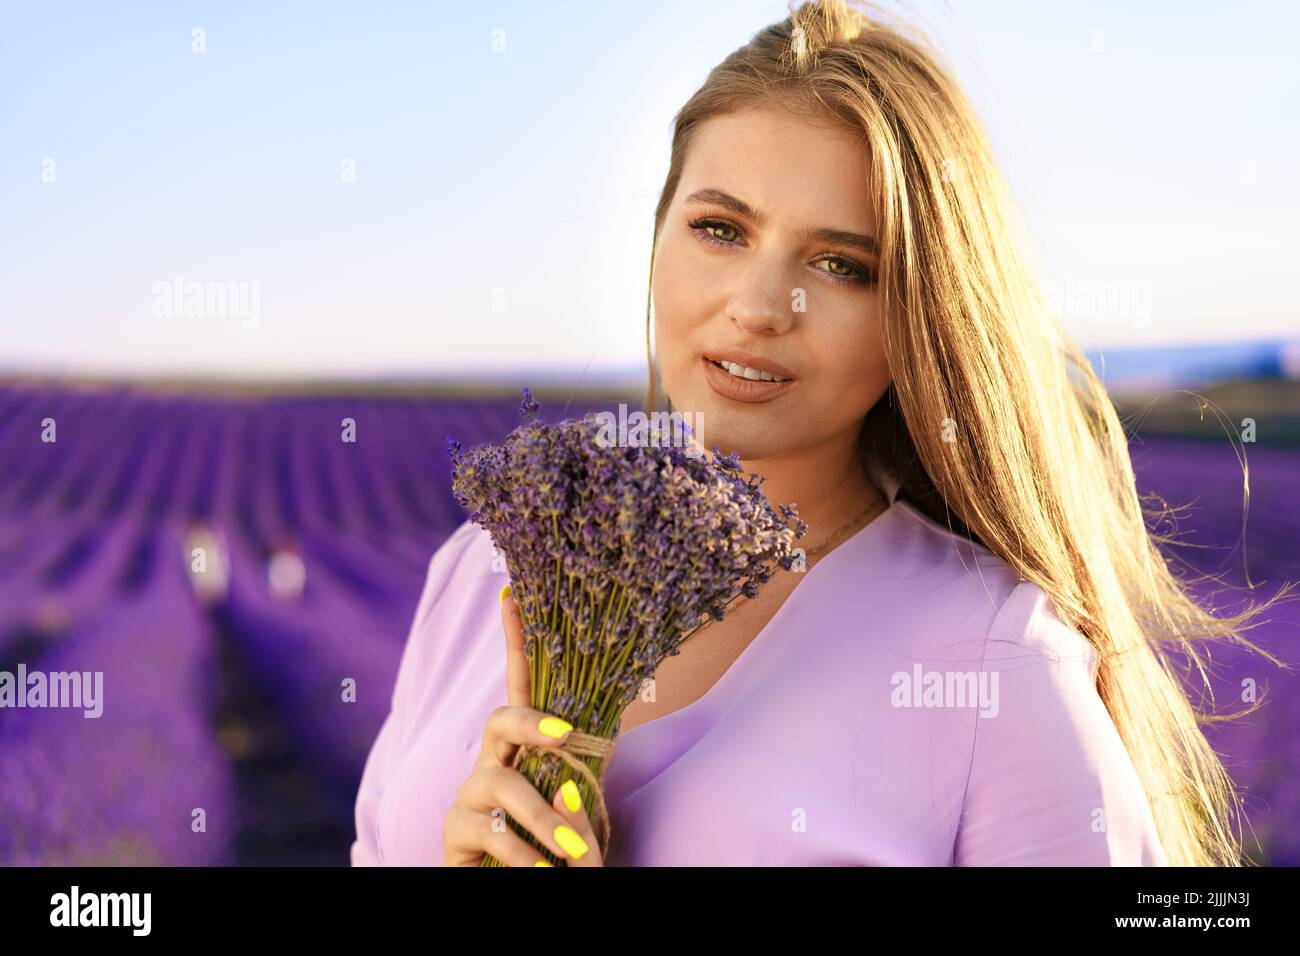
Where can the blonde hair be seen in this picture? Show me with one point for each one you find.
(1039, 471)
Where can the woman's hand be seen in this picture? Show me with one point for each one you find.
(472, 828)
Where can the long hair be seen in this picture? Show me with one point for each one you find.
(994, 422)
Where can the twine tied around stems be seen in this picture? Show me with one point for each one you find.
(579, 744)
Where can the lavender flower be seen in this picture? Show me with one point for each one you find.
(615, 554)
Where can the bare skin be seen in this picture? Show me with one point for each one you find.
(745, 294)
(741, 294)
(736, 293)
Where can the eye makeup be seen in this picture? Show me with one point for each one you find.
(857, 273)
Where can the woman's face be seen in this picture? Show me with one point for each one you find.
(758, 280)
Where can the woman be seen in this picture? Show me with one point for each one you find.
(972, 670)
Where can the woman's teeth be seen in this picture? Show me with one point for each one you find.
(753, 374)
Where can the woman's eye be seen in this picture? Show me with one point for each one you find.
(715, 232)
(706, 228)
(852, 273)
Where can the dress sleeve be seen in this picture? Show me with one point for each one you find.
(1051, 782)
(384, 752)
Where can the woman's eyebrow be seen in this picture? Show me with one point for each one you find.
(717, 197)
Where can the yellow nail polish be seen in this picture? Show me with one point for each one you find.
(554, 727)
(569, 840)
(504, 591)
(572, 799)
(543, 863)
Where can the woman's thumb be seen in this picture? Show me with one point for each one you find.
(518, 682)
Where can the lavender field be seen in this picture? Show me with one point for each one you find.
(229, 562)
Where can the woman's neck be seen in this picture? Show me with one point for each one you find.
(827, 486)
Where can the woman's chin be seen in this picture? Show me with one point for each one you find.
(748, 439)
(752, 430)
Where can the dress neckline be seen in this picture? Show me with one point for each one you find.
(751, 651)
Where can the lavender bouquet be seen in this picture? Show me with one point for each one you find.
(616, 553)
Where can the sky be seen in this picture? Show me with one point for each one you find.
(421, 188)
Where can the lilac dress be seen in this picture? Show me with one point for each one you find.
(912, 703)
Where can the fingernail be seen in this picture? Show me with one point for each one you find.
(543, 863)
(504, 591)
(569, 840)
(572, 799)
(554, 727)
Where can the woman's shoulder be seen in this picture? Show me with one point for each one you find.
(918, 577)
(1020, 613)
(450, 677)
(1051, 782)
(458, 601)
(465, 564)
(1048, 780)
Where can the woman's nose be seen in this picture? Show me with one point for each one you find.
(763, 299)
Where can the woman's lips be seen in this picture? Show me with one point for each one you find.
(743, 389)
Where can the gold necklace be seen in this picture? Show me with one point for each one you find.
(875, 500)
(848, 524)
